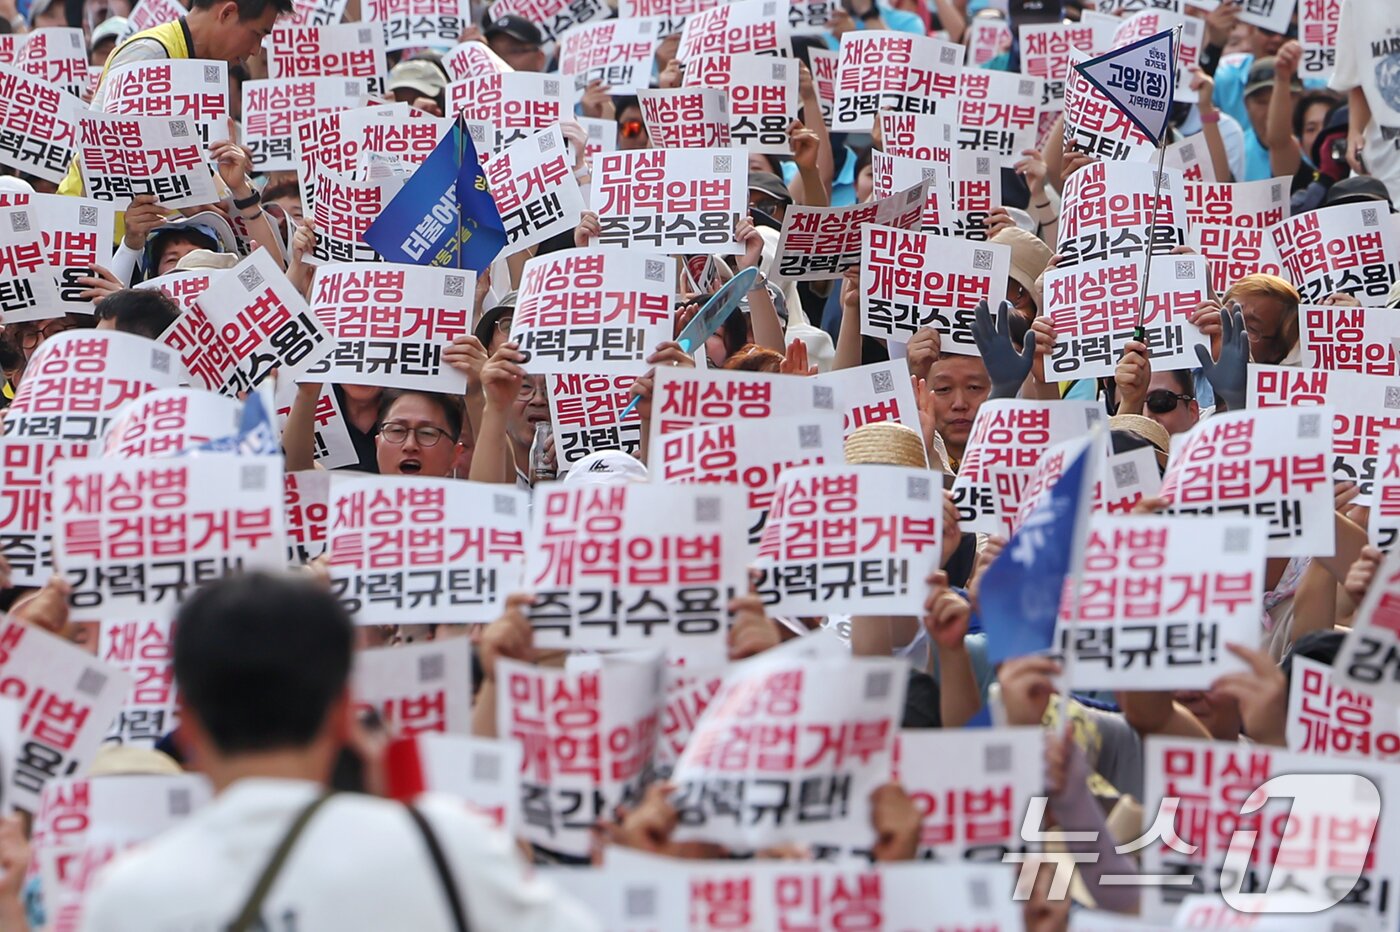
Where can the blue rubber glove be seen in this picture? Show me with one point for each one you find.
(1229, 373)
(1005, 366)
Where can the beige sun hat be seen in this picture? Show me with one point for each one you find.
(886, 442)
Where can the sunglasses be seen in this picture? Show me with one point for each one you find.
(631, 129)
(1162, 401)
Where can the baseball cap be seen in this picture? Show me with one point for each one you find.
(113, 27)
(417, 75)
(1357, 190)
(205, 259)
(606, 467)
(771, 185)
(517, 27)
(1261, 76)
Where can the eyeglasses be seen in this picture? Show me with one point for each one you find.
(631, 129)
(30, 337)
(398, 433)
(1163, 402)
(529, 388)
(503, 325)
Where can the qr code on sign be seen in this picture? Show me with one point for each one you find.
(486, 767)
(982, 260)
(918, 488)
(179, 129)
(87, 216)
(780, 71)
(503, 504)
(707, 509)
(984, 165)
(640, 903)
(1125, 474)
(822, 397)
(250, 278)
(212, 74)
(1027, 88)
(252, 477)
(723, 165)
(454, 286)
(160, 361)
(178, 802)
(877, 685)
(654, 270)
(996, 758)
(546, 142)
(1236, 539)
(1369, 217)
(882, 382)
(809, 436)
(19, 222)
(1185, 268)
(1392, 396)
(1310, 426)
(551, 88)
(431, 668)
(950, 56)
(92, 682)
(364, 35)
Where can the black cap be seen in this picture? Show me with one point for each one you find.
(771, 185)
(517, 27)
(1357, 189)
(1338, 121)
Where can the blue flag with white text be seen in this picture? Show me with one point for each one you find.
(1140, 79)
(256, 435)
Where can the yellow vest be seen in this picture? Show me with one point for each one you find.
(171, 36)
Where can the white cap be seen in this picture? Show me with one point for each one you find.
(606, 467)
(9, 184)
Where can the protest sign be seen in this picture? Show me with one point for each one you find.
(1124, 480)
(167, 422)
(819, 243)
(331, 441)
(685, 201)
(1267, 463)
(149, 13)
(142, 649)
(976, 190)
(750, 453)
(850, 539)
(1046, 53)
(1352, 248)
(442, 550)
(335, 142)
(1349, 339)
(481, 772)
(517, 103)
(762, 96)
(884, 70)
(183, 286)
(1230, 226)
(588, 733)
(1191, 156)
(1384, 525)
(810, 17)
(1269, 15)
(823, 66)
(997, 113)
(586, 414)
(123, 157)
(316, 12)
(1159, 598)
(1327, 717)
(735, 28)
(56, 56)
(636, 565)
(789, 750)
(1324, 841)
(683, 399)
(1369, 659)
(351, 50)
(196, 90)
(987, 39)
(910, 280)
(1095, 308)
(1095, 126)
(671, 13)
(472, 59)
(68, 698)
(28, 283)
(389, 324)
(1363, 406)
(891, 173)
(77, 379)
(253, 322)
(273, 108)
(344, 211)
(1147, 24)
(596, 310)
(77, 237)
(535, 189)
(688, 693)
(1108, 213)
(554, 18)
(415, 23)
(685, 118)
(417, 689)
(26, 504)
(1007, 440)
(1317, 33)
(973, 810)
(616, 52)
(38, 125)
(135, 537)
(306, 501)
(923, 137)
(869, 394)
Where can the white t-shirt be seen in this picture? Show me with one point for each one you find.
(1368, 57)
(361, 864)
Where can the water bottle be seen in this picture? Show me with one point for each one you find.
(543, 466)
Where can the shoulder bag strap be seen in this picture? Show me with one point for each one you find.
(449, 883)
(248, 915)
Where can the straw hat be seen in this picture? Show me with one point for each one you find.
(123, 759)
(886, 442)
(1148, 430)
(1029, 256)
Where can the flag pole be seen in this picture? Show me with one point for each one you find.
(461, 146)
(1140, 332)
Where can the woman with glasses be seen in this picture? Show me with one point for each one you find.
(417, 434)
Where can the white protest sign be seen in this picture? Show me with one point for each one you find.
(617, 52)
(636, 566)
(536, 192)
(1349, 339)
(780, 725)
(135, 537)
(891, 173)
(762, 96)
(149, 13)
(976, 190)
(57, 56)
(335, 142)
(481, 772)
(586, 413)
(123, 157)
(1326, 717)
(1095, 308)
(686, 117)
(419, 688)
(183, 286)
(75, 380)
(595, 310)
(731, 28)
(77, 234)
(472, 59)
(1124, 480)
(167, 422)
(26, 504)
(1369, 659)
(518, 103)
(685, 201)
(1267, 463)
(1317, 33)
(415, 23)
(1269, 15)
(390, 324)
(424, 549)
(683, 399)
(306, 498)
(1384, 525)
(332, 445)
(195, 90)
(824, 63)
(555, 18)
(143, 649)
(28, 283)
(909, 281)
(1231, 226)
(884, 70)
(351, 50)
(1108, 209)
(998, 113)
(870, 394)
(819, 243)
(273, 108)
(38, 125)
(590, 734)
(343, 211)
(1046, 53)
(1191, 156)
(1353, 248)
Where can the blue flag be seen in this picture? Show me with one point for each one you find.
(1019, 597)
(255, 437)
(1140, 80)
(444, 215)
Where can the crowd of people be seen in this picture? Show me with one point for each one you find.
(300, 831)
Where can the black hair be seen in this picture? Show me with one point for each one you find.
(1183, 380)
(147, 312)
(248, 10)
(1320, 646)
(450, 406)
(260, 659)
(486, 327)
(1307, 101)
(282, 189)
(11, 356)
(160, 241)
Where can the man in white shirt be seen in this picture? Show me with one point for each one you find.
(1368, 69)
(263, 663)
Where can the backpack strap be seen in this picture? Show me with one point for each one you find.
(444, 870)
(248, 917)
